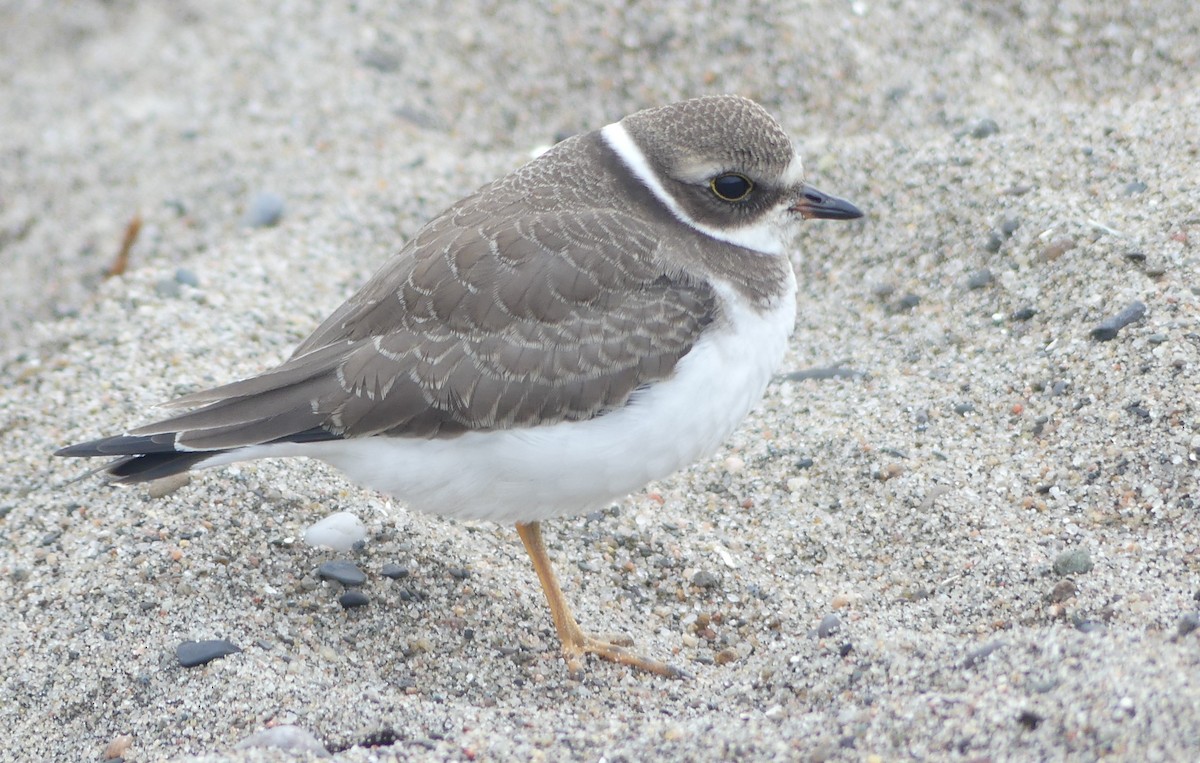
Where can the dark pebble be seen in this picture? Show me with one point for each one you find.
(1157, 338)
(1074, 561)
(1137, 409)
(394, 571)
(705, 579)
(804, 463)
(265, 210)
(1030, 719)
(353, 598)
(993, 243)
(1135, 256)
(984, 128)
(459, 573)
(845, 649)
(962, 409)
(1023, 314)
(1058, 388)
(979, 279)
(193, 653)
(1088, 626)
(1009, 225)
(346, 573)
(1188, 623)
(1107, 329)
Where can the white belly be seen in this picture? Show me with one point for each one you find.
(524, 475)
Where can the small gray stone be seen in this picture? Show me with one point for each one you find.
(705, 579)
(1023, 314)
(979, 279)
(193, 653)
(344, 572)
(1107, 329)
(1134, 188)
(1188, 623)
(993, 243)
(187, 278)
(353, 598)
(394, 571)
(265, 209)
(1009, 225)
(829, 625)
(1074, 561)
(978, 655)
(984, 128)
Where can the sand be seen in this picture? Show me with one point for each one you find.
(982, 544)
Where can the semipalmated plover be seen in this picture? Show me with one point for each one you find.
(595, 320)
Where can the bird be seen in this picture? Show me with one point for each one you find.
(597, 319)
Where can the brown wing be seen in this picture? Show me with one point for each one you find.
(539, 320)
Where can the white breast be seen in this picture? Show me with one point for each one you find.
(530, 474)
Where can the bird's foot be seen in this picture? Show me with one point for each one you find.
(616, 650)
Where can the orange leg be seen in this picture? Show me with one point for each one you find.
(576, 643)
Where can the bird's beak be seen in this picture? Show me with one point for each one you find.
(814, 203)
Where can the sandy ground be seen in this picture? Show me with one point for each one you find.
(994, 517)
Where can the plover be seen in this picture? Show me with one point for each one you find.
(595, 320)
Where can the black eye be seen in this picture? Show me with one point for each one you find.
(731, 186)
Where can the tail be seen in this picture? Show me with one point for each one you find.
(142, 458)
(139, 458)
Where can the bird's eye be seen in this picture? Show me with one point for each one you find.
(731, 186)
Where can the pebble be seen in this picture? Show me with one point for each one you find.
(1074, 561)
(1188, 623)
(984, 128)
(353, 598)
(1057, 248)
(265, 209)
(726, 656)
(394, 571)
(1134, 188)
(1030, 719)
(338, 531)
(345, 572)
(117, 748)
(193, 653)
(1009, 226)
(1107, 329)
(1064, 590)
(1023, 314)
(993, 243)
(705, 579)
(292, 739)
(829, 625)
(979, 279)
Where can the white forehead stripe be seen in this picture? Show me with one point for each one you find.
(760, 236)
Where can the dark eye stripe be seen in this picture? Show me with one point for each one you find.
(731, 186)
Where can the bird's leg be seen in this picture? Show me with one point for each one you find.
(576, 643)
